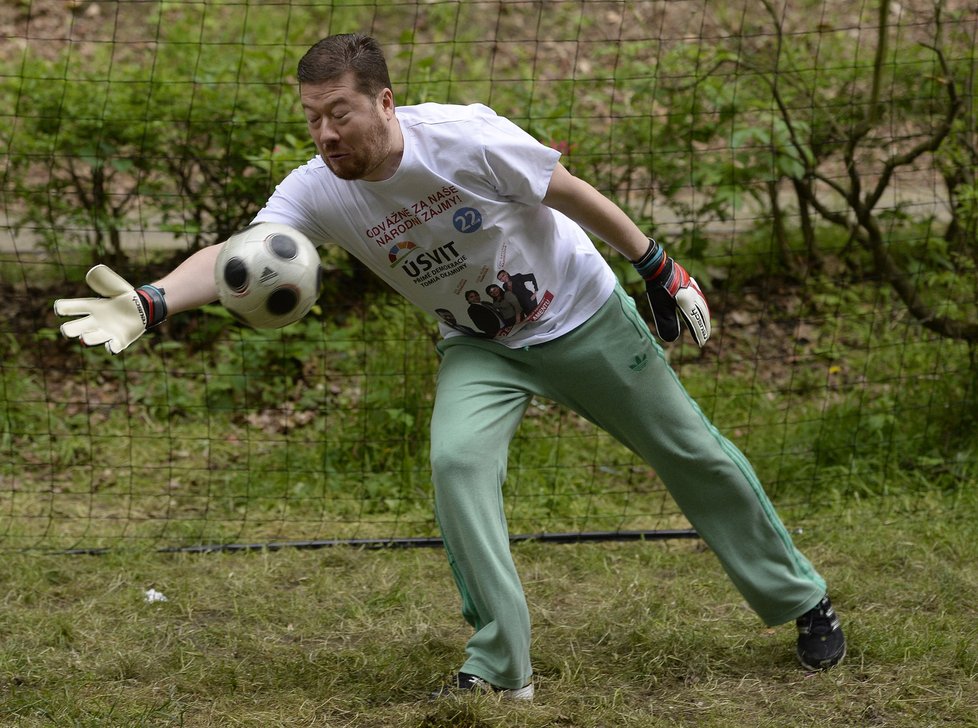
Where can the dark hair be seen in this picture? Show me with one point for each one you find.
(335, 55)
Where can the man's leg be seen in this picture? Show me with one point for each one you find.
(478, 406)
(611, 371)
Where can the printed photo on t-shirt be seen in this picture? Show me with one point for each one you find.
(515, 299)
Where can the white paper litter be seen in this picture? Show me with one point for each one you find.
(154, 596)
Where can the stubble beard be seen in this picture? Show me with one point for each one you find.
(363, 160)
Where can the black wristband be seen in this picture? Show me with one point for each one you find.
(153, 303)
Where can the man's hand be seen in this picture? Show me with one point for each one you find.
(673, 294)
(116, 320)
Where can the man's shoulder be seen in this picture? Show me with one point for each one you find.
(313, 167)
(305, 184)
(435, 113)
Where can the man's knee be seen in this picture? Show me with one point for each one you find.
(458, 460)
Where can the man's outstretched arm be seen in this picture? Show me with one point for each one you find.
(121, 313)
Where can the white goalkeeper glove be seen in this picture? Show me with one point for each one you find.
(673, 294)
(116, 320)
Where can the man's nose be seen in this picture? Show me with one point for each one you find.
(325, 134)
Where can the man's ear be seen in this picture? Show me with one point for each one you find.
(387, 102)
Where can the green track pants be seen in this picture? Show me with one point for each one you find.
(612, 372)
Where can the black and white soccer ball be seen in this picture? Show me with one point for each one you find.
(268, 275)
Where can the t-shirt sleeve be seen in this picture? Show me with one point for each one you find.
(290, 204)
(519, 165)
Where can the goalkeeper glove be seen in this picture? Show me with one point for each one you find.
(673, 294)
(116, 320)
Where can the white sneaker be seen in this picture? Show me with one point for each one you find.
(464, 682)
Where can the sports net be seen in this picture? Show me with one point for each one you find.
(811, 162)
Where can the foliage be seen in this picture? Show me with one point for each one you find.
(126, 147)
(748, 127)
(319, 430)
(328, 418)
(913, 86)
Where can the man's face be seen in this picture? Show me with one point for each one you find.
(352, 132)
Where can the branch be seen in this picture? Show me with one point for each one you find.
(931, 143)
(834, 217)
(881, 47)
(905, 288)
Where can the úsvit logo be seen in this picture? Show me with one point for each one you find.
(426, 266)
(399, 251)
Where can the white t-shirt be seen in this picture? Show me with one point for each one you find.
(461, 214)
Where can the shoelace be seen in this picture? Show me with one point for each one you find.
(819, 621)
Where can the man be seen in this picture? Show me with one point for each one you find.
(484, 196)
(518, 285)
(483, 315)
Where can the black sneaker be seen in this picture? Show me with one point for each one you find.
(821, 643)
(463, 683)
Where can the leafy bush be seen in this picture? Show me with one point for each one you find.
(119, 147)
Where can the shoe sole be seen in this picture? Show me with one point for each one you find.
(813, 668)
(523, 694)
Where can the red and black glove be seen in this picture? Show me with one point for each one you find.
(673, 294)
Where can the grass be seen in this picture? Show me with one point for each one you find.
(647, 634)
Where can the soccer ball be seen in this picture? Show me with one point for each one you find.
(268, 275)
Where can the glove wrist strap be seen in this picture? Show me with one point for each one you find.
(652, 263)
(153, 303)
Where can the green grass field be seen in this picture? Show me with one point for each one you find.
(638, 634)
